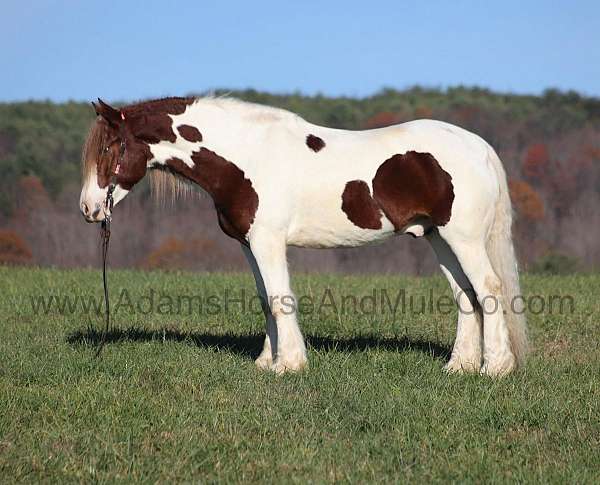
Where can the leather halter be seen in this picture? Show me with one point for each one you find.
(109, 202)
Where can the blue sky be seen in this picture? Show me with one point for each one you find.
(123, 50)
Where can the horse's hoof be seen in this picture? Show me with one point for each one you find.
(282, 366)
(264, 362)
(462, 366)
(499, 367)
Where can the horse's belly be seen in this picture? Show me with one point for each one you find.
(317, 230)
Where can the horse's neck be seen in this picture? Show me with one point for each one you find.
(231, 129)
(227, 127)
(228, 131)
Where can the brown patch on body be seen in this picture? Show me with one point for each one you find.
(359, 206)
(190, 133)
(314, 143)
(412, 185)
(235, 199)
(407, 188)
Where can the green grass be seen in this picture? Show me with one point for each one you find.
(177, 397)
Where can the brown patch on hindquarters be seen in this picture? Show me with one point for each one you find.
(359, 206)
(235, 199)
(190, 133)
(412, 185)
(409, 188)
(314, 143)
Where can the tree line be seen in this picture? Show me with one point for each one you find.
(550, 146)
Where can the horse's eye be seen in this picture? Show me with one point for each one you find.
(106, 149)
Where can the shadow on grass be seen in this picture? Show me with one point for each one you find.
(250, 345)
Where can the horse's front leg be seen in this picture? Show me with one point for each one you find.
(287, 345)
(265, 359)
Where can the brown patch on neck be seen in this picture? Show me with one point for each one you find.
(412, 185)
(235, 199)
(190, 133)
(173, 105)
(314, 143)
(135, 166)
(151, 121)
(359, 206)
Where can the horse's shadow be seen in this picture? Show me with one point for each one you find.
(248, 346)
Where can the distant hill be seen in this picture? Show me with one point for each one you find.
(550, 145)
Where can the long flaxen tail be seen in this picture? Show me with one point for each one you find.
(501, 252)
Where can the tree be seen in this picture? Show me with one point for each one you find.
(526, 200)
(536, 161)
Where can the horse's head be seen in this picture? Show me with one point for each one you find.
(112, 154)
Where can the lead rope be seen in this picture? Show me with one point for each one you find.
(105, 231)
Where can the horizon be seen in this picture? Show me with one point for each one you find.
(339, 49)
(233, 92)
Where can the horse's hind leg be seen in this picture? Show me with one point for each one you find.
(474, 260)
(466, 354)
(265, 359)
(287, 344)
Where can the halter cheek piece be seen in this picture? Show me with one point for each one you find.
(109, 202)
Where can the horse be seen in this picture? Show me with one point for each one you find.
(277, 180)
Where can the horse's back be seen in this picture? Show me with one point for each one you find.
(362, 186)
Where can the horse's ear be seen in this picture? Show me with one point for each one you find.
(110, 114)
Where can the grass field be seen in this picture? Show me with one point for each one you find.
(177, 396)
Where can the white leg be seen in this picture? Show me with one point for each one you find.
(466, 354)
(269, 250)
(265, 359)
(497, 356)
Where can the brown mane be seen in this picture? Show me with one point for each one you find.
(96, 139)
(164, 184)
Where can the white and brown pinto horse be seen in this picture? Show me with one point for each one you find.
(277, 180)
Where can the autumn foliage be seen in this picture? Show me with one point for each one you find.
(13, 249)
(176, 253)
(381, 120)
(549, 145)
(526, 201)
(536, 160)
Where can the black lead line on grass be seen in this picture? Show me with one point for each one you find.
(105, 235)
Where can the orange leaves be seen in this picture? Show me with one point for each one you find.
(31, 196)
(536, 160)
(175, 253)
(382, 119)
(526, 200)
(423, 112)
(13, 249)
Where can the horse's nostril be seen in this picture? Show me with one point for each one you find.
(85, 209)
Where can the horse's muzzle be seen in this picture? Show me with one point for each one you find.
(93, 213)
